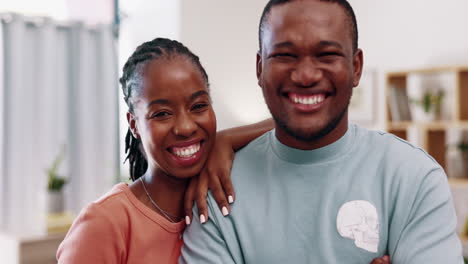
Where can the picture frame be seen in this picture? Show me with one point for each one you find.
(362, 107)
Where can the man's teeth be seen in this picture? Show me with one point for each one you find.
(308, 100)
(186, 152)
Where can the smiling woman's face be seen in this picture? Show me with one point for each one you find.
(173, 117)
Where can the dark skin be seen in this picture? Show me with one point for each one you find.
(173, 112)
(307, 53)
(216, 173)
(307, 68)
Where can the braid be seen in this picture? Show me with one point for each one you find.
(138, 163)
(132, 83)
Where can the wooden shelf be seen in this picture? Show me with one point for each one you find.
(432, 136)
(30, 250)
(458, 182)
(431, 70)
(402, 125)
(436, 125)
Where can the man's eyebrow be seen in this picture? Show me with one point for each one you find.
(326, 43)
(285, 44)
(323, 43)
(198, 94)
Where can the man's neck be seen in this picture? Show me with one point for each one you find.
(334, 135)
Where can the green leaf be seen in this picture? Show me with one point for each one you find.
(55, 181)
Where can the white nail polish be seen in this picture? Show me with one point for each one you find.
(230, 199)
(202, 219)
(187, 220)
(225, 211)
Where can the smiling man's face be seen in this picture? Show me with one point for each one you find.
(307, 69)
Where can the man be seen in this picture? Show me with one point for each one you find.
(317, 189)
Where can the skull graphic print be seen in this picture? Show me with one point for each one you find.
(358, 220)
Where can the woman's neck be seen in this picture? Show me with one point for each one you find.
(165, 190)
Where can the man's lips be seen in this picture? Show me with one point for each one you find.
(307, 102)
(311, 99)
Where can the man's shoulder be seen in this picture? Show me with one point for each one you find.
(250, 160)
(394, 148)
(260, 145)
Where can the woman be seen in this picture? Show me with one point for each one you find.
(172, 128)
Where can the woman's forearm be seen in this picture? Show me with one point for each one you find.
(243, 135)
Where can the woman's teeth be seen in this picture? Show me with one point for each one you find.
(186, 152)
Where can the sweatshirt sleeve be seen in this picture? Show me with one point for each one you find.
(94, 237)
(206, 243)
(429, 233)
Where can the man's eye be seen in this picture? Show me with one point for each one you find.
(327, 54)
(283, 55)
(199, 106)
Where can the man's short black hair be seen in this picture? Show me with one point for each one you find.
(343, 3)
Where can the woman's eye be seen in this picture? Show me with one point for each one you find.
(161, 114)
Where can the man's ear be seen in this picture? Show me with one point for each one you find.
(358, 63)
(259, 68)
(131, 119)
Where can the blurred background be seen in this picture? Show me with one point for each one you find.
(63, 117)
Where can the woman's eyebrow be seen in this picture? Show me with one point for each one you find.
(198, 94)
(167, 102)
(158, 101)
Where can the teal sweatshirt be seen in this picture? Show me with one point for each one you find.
(364, 196)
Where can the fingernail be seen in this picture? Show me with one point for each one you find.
(225, 211)
(230, 199)
(187, 220)
(202, 219)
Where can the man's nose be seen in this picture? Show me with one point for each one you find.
(306, 73)
(184, 126)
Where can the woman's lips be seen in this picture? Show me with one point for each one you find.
(186, 155)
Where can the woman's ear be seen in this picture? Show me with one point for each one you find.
(131, 119)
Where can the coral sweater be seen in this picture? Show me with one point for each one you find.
(118, 228)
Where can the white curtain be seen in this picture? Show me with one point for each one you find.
(58, 88)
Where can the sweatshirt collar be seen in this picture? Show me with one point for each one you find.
(322, 154)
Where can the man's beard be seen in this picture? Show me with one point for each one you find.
(305, 136)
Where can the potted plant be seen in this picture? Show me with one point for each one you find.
(431, 104)
(463, 149)
(55, 199)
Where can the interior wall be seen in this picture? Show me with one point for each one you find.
(394, 34)
(399, 35)
(142, 21)
(145, 20)
(418, 33)
(224, 35)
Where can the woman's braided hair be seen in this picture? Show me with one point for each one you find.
(131, 82)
